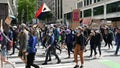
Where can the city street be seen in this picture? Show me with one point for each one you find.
(26, 22)
(108, 60)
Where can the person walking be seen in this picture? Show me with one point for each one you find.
(31, 50)
(69, 41)
(98, 40)
(117, 40)
(4, 51)
(14, 36)
(108, 38)
(22, 37)
(79, 48)
(92, 43)
(51, 48)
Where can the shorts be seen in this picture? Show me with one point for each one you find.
(4, 52)
(21, 54)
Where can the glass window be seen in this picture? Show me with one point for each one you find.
(85, 2)
(61, 8)
(95, 1)
(68, 15)
(80, 14)
(99, 0)
(113, 7)
(98, 10)
(87, 13)
(90, 1)
(79, 5)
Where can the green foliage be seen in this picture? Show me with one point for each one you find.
(26, 9)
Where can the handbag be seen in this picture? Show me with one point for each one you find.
(9, 45)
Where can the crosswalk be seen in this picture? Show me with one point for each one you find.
(40, 57)
(66, 63)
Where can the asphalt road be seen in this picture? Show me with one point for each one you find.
(107, 60)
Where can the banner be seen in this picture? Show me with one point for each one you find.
(76, 16)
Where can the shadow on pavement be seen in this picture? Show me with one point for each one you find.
(111, 55)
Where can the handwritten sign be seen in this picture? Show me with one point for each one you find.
(8, 20)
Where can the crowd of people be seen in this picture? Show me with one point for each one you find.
(52, 38)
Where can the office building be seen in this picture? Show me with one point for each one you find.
(104, 10)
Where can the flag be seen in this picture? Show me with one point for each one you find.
(42, 11)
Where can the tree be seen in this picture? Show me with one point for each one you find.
(26, 10)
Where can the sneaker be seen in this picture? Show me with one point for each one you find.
(76, 66)
(115, 54)
(14, 65)
(49, 60)
(73, 60)
(44, 63)
(81, 66)
(11, 54)
(58, 62)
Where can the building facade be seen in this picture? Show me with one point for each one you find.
(8, 7)
(100, 9)
(39, 3)
(103, 10)
(68, 7)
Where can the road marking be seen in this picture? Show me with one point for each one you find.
(110, 63)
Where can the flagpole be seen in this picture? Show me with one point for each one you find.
(36, 10)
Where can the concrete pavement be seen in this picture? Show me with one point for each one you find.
(108, 60)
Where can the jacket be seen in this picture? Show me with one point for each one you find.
(80, 40)
(69, 38)
(31, 44)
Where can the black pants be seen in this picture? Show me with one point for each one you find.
(14, 46)
(110, 43)
(30, 60)
(99, 47)
(93, 47)
(69, 46)
(57, 46)
(50, 51)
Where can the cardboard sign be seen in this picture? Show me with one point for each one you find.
(8, 20)
(74, 25)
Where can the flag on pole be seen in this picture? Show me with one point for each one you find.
(42, 11)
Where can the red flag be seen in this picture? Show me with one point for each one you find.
(44, 8)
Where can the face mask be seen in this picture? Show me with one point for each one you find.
(72, 32)
(50, 34)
